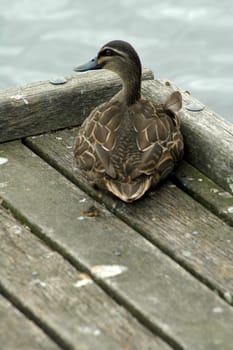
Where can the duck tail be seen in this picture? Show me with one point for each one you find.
(129, 192)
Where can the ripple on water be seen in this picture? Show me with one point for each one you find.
(37, 10)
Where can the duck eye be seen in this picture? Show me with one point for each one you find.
(108, 52)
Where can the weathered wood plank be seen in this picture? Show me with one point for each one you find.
(42, 107)
(66, 303)
(160, 292)
(205, 191)
(17, 332)
(39, 107)
(168, 217)
(208, 137)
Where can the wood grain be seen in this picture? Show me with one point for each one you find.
(167, 216)
(205, 191)
(208, 137)
(17, 332)
(39, 107)
(67, 304)
(153, 287)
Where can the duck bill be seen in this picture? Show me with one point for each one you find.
(91, 65)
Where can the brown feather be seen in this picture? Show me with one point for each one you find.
(126, 148)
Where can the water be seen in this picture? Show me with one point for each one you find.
(184, 41)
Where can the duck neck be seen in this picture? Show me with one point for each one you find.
(131, 85)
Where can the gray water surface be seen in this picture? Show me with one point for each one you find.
(187, 42)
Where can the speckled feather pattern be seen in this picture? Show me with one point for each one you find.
(128, 144)
(136, 146)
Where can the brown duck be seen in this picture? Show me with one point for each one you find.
(128, 144)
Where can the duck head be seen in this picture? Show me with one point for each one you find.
(113, 56)
(121, 58)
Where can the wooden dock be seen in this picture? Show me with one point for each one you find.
(81, 270)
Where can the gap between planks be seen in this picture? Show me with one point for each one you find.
(112, 205)
(49, 331)
(54, 336)
(121, 301)
(19, 332)
(188, 178)
(52, 107)
(187, 289)
(31, 249)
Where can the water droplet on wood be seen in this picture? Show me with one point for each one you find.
(217, 310)
(224, 194)
(214, 190)
(3, 160)
(82, 200)
(106, 271)
(187, 253)
(228, 297)
(189, 178)
(117, 253)
(230, 210)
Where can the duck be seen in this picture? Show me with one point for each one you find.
(128, 144)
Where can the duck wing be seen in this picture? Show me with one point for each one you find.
(158, 135)
(97, 138)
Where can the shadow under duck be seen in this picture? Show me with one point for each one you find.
(128, 144)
